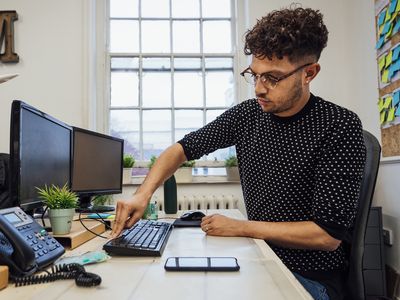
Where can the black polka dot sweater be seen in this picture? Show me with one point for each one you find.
(307, 167)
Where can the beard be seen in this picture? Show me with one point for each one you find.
(284, 102)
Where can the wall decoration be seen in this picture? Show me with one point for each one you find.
(7, 19)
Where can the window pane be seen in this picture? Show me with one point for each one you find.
(124, 63)
(155, 36)
(211, 115)
(219, 9)
(188, 89)
(219, 88)
(124, 89)
(156, 132)
(156, 89)
(217, 36)
(124, 36)
(186, 36)
(219, 63)
(125, 125)
(156, 63)
(124, 8)
(187, 121)
(187, 64)
(185, 9)
(155, 8)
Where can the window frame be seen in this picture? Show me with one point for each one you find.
(140, 55)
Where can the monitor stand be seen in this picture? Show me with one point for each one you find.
(85, 206)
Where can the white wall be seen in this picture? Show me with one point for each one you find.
(49, 42)
(52, 42)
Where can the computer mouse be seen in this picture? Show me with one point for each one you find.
(192, 216)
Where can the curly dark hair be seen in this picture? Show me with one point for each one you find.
(293, 32)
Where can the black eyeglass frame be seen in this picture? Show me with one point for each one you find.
(268, 77)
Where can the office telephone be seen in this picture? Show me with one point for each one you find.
(25, 246)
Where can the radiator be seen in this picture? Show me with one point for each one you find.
(202, 202)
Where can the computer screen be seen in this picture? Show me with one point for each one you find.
(97, 165)
(40, 154)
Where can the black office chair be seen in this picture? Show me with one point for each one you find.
(355, 241)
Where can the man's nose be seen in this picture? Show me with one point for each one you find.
(259, 88)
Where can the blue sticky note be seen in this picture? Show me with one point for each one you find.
(386, 28)
(381, 17)
(397, 113)
(395, 52)
(380, 42)
(396, 27)
(396, 98)
(392, 6)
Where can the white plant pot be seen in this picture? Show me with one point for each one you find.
(127, 176)
(61, 220)
(232, 174)
(183, 175)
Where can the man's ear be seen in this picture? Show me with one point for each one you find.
(312, 71)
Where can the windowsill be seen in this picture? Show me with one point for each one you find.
(197, 179)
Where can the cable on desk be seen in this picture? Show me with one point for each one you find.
(100, 219)
(59, 272)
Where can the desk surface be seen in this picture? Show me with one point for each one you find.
(262, 275)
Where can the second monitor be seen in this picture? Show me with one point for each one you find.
(97, 162)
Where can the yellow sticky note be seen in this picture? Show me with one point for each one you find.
(385, 76)
(387, 17)
(380, 104)
(389, 59)
(388, 102)
(389, 31)
(381, 29)
(391, 115)
(383, 114)
(382, 62)
(397, 6)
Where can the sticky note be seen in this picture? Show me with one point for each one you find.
(387, 16)
(380, 104)
(396, 52)
(385, 76)
(382, 62)
(381, 17)
(387, 35)
(390, 117)
(380, 42)
(392, 6)
(389, 58)
(383, 116)
(396, 98)
(396, 27)
(397, 7)
(397, 113)
(386, 27)
(387, 102)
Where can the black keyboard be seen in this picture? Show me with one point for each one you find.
(145, 238)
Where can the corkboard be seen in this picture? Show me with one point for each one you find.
(390, 136)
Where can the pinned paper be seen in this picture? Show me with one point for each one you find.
(396, 98)
(380, 42)
(392, 6)
(385, 76)
(382, 62)
(397, 113)
(387, 35)
(388, 59)
(390, 117)
(380, 104)
(397, 6)
(396, 52)
(387, 102)
(396, 27)
(383, 116)
(386, 27)
(381, 17)
(387, 16)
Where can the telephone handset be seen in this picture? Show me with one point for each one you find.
(25, 246)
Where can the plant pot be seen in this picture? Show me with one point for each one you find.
(127, 176)
(232, 174)
(183, 175)
(61, 220)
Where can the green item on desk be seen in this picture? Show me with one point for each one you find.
(90, 257)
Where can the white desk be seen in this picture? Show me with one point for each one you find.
(262, 275)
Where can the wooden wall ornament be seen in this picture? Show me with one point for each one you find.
(7, 19)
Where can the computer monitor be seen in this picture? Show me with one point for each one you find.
(40, 154)
(97, 163)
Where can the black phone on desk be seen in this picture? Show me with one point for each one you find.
(25, 246)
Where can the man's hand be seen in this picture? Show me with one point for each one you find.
(221, 225)
(128, 212)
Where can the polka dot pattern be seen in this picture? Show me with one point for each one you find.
(300, 168)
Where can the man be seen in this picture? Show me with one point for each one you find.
(300, 157)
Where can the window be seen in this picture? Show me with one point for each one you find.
(171, 70)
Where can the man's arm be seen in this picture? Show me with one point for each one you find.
(299, 235)
(128, 212)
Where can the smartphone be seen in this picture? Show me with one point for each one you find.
(201, 264)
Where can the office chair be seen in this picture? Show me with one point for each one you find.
(355, 241)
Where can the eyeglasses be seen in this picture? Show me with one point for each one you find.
(269, 81)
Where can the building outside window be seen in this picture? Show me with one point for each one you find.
(171, 70)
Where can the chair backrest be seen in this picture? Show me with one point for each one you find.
(356, 289)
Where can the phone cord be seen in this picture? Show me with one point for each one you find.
(59, 272)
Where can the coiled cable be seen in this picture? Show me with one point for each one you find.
(59, 272)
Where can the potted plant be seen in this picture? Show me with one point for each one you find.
(153, 159)
(184, 172)
(231, 166)
(128, 162)
(61, 203)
